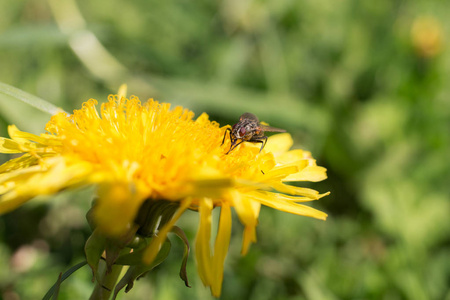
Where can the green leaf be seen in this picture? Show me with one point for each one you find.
(29, 99)
(55, 288)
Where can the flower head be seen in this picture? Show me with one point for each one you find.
(427, 36)
(135, 153)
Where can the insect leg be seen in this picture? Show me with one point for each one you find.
(263, 143)
(234, 145)
(225, 134)
(259, 139)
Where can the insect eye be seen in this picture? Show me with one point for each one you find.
(234, 126)
(242, 131)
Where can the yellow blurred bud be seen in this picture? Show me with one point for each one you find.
(427, 36)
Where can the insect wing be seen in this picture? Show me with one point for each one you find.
(249, 117)
(271, 129)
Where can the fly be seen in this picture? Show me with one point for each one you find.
(248, 129)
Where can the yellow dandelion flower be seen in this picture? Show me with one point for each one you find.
(136, 153)
(427, 36)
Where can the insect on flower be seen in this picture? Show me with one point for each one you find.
(248, 129)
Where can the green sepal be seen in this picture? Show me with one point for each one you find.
(180, 233)
(138, 242)
(138, 270)
(135, 257)
(90, 215)
(93, 249)
(115, 246)
(153, 215)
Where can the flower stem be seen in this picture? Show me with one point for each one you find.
(103, 289)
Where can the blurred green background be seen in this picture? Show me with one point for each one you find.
(364, 85)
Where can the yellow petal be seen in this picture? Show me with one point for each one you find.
(292, 198)
(268, 162)
(248, 212)
(21, 174)
(296, 191)
(202, 246)
(282, 171)
(310, 173)
(289, 207)
(55, 175)
(221, 248)
(11, 201)
(116, 207)
(18, 163)
(249, 237)
(122, 91)
(291, 156)
(23, 137)
(10, 146)
(279, 143)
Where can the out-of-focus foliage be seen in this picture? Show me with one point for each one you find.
(364, 85)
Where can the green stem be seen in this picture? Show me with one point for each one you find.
(105, 288)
